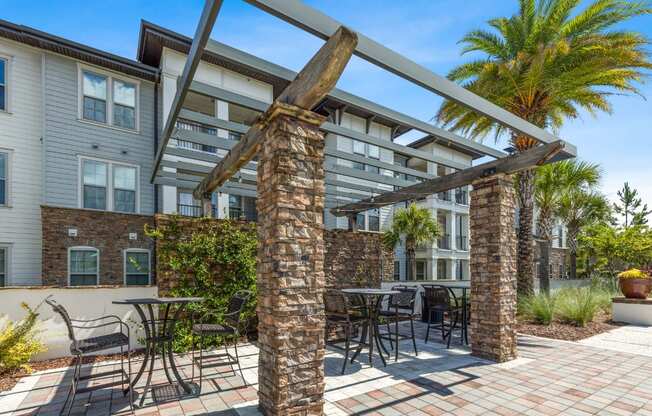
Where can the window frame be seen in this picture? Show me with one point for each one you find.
(125, 252)
(424, 274)
(7, 272)
(8, 63)
(110, 78)
(7, 179)
(84, 248)
(397, 270)
(110, 203)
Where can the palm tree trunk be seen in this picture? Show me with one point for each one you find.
(412, 264)
(545, 229)
(525, 259)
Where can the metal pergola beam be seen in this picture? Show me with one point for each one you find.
(321, 25)
(202, 34)
(511, 164)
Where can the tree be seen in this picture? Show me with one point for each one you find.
(545, 64)
(579, 208)
(554, 182)
(630, 207)
(417, 226)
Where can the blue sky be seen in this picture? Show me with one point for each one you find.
(426, 31)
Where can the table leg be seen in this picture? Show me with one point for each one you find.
(152, 354)
(465, 324)
(165, 333)
(377, 329)
(141, 370)
(186, 387)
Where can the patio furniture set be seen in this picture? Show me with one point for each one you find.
(159, 331)
(362, 311)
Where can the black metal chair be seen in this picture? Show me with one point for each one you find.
(346, 314)
(229, 328)
(88, 346)
(439, 302)
(400, 308)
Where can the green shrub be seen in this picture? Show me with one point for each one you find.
(540, 308)
(578, 306)
(213, 261)
(19, 342)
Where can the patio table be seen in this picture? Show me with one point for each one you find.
(159, 335)
(464, 289)
(372, 300)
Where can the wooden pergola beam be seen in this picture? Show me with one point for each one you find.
(310, 86)
(511, 164)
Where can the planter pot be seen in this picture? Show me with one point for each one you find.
(635, 288)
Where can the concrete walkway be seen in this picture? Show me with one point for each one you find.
(630, 339)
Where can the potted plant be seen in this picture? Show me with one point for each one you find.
(635, 284)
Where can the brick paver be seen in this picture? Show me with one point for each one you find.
(549, 378)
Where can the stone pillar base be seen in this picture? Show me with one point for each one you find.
(291, 264)
(493, 268)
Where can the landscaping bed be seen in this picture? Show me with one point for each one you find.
(559, 330)
(9, 379)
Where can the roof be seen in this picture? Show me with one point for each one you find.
(52, 43)
(446, 143)
(153, 38)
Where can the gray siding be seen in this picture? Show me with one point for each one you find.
(67, 138)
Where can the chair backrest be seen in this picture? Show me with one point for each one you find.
(335, 303)
(237, 304)
(403, 300)
(59, 309)
(437, 296)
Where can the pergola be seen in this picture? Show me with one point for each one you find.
(288, 140)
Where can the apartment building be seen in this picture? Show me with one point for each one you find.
(79, 138)
(77, 133)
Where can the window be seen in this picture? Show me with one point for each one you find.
(421, 270)
(373, 217)
(95, 97)
(235, 207)
(124, 104)
(108, 100)
(3, 84)
(359, 147)
(200, 103)
(358, 165)
(442, 269)
(374, 151)
(373, 169)
(4, 265)
(397, 270)
(95, 184)
(137, 267)
(124, 188)
(83, 266)
(4, 174)
(360, 221)
(109, 186)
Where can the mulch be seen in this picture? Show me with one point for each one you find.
(9, 379)
(559, 330)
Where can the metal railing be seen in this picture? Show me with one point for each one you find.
(194, 210)
(240, 214)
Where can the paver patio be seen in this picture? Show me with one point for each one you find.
(550, 377)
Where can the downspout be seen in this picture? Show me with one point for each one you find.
(156, 86)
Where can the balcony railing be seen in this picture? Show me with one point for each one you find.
(193, 210)
(240, 214)
(444, 196)
(461, 197)
(444, 242)
(462, 242)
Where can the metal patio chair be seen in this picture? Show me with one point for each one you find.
(343, 313)
(80, 348)
(229, 328)
(400, 308)
(439, 302)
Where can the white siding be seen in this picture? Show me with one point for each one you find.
(20, 134)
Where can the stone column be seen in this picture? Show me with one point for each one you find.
(291, 264)
(493, 268)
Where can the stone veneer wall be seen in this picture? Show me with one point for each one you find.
(106, 231)
(290, 270)
(356, 259)
(493, 268)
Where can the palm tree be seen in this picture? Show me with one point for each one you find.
(545, 64)
(417, 226)
(553, 182)
(579, 208)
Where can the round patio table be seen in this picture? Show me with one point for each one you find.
(372, 298)
(159, 335)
